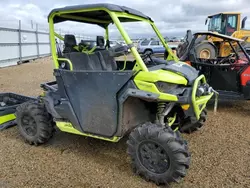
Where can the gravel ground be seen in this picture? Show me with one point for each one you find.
(220, 151)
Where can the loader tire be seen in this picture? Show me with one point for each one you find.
(205, 50)
(158, 154)
(34, 123)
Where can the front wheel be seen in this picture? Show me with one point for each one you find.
(158, 154)
(192, 127)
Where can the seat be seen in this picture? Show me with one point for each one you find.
(101, 59)
(83, 61)
(105, 55)
(182, 49)
(80, 61)
(96, 62)
(69, 44)
(106, 59)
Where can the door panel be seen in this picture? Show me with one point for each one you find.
(231, 24)
(93, 98)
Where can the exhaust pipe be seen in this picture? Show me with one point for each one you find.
(243, 22)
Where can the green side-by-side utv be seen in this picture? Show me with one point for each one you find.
(150, 99)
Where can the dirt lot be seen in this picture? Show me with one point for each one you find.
(220, 151)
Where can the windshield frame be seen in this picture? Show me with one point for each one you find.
(171, 55)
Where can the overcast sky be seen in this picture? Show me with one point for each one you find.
(172, 17)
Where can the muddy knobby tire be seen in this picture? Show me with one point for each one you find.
(169, 154)
(34, 123)
(197, 125)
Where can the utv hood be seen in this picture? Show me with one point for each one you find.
(179, 68)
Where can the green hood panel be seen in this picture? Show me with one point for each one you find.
(161, 75)
(181, 69)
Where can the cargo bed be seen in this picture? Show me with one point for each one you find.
(8, 104)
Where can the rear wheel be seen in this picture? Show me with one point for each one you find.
(158, 154)
(34, 123)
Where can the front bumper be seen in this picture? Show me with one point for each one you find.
(199, 102)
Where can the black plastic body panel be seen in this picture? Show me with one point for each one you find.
(93, 97)
(186, 97)
(97, 14)
(57, 102)
(51, 99)
(66, 111)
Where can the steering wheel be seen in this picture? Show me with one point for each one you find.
(227, 59)
(118, 50)
(147, 56)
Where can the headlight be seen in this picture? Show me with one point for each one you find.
(169, 88)
(203, 89)
(200, 91)
(165, 87)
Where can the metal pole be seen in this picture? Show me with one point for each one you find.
(60, 42)
(37, 41)
(20, 42)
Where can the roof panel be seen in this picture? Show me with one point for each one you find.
(102, 15)
(223, 13)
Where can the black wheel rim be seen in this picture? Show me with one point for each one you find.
(29, 125)
(153, 157)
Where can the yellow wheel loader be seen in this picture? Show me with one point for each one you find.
(226, 23)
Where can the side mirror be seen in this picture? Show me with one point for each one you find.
(100, 41)
(206, 21)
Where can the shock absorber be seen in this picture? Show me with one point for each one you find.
(163, 110)
(160, 107)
